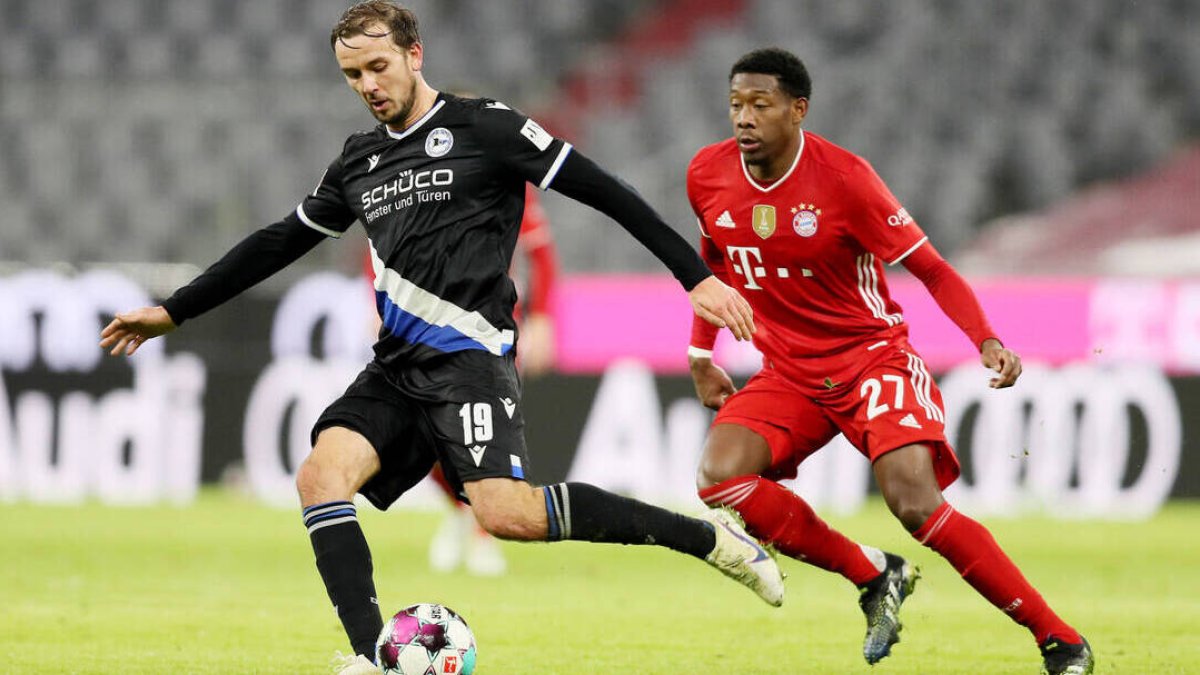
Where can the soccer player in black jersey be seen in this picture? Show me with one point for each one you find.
(439, 187)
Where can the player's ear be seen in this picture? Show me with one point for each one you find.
(416, 56)
(799, 109)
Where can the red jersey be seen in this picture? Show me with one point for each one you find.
(807, 251)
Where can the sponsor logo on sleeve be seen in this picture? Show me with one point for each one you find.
(900, 218)
(536, 135)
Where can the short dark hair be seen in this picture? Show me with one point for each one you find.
(400, 23)
(784, 65)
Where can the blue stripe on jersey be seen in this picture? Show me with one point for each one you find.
(414, 330)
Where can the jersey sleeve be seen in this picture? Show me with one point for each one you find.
(325, 209)
(881, 224)
(520, 144)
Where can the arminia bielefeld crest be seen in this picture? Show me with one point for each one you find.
(764, 220)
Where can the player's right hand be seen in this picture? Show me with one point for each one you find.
(129, 330)
(713, 384)
(722, 306)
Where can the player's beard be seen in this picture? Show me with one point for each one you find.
(403, 111)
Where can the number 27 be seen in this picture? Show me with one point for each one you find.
(871, 388)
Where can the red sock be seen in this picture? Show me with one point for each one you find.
(972, 550)
(777, 515)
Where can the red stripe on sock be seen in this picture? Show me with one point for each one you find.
(779, 516)
(972, 550)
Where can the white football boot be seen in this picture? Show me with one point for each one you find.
(354, 664)
(738, 556)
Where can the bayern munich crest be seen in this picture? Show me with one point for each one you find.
(804, 222)
(438, 142)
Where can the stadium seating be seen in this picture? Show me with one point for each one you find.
(142, 130)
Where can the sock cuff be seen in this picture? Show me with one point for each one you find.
(318, 516)
(730, 492)
(558, 511)
(935, 523)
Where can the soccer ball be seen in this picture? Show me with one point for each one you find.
(426, 639)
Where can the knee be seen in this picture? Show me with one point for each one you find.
(913, 510)
(720, 463)
(308, 482)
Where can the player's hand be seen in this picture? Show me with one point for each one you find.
(713, 385)
(1003, 361)
(129, 330)
(722, 306)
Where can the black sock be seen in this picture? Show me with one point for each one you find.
(344, 562)
(586, 513)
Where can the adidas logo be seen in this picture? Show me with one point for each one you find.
(725, 220)
(910, 421)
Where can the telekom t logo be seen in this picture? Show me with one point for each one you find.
(742, 264)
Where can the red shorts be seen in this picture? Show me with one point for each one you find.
(888, 403)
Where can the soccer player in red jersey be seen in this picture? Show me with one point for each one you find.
(803, 227)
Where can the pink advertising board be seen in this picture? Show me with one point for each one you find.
(1050, 320)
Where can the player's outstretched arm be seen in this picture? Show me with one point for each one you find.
(129, 330)
(255, 258)
(584, 181)
(959, 303)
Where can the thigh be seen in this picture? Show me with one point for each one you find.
(792, 425)
(472, 402)
(375, 410)
(894, 403)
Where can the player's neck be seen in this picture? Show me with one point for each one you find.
(775, 168)
(425, 98)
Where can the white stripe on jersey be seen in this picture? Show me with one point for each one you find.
(398, 135)
(319, 228)
(907, 253)
(435, 311)
(868, 288)
(558, 162)
(921, 386)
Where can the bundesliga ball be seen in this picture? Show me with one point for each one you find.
(426, 639)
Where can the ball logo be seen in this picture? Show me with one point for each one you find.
(438, 142)
(450, 665)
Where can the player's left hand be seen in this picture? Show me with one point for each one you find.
(723, 306)
(1003, 361)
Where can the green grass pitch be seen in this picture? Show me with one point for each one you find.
(226, 586)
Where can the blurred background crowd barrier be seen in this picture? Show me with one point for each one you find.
(1049, 149)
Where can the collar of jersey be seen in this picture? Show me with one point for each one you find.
(782, 178)
(416, 125)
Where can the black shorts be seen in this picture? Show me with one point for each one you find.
(462, 409)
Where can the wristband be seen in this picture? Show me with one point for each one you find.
(698, 353)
